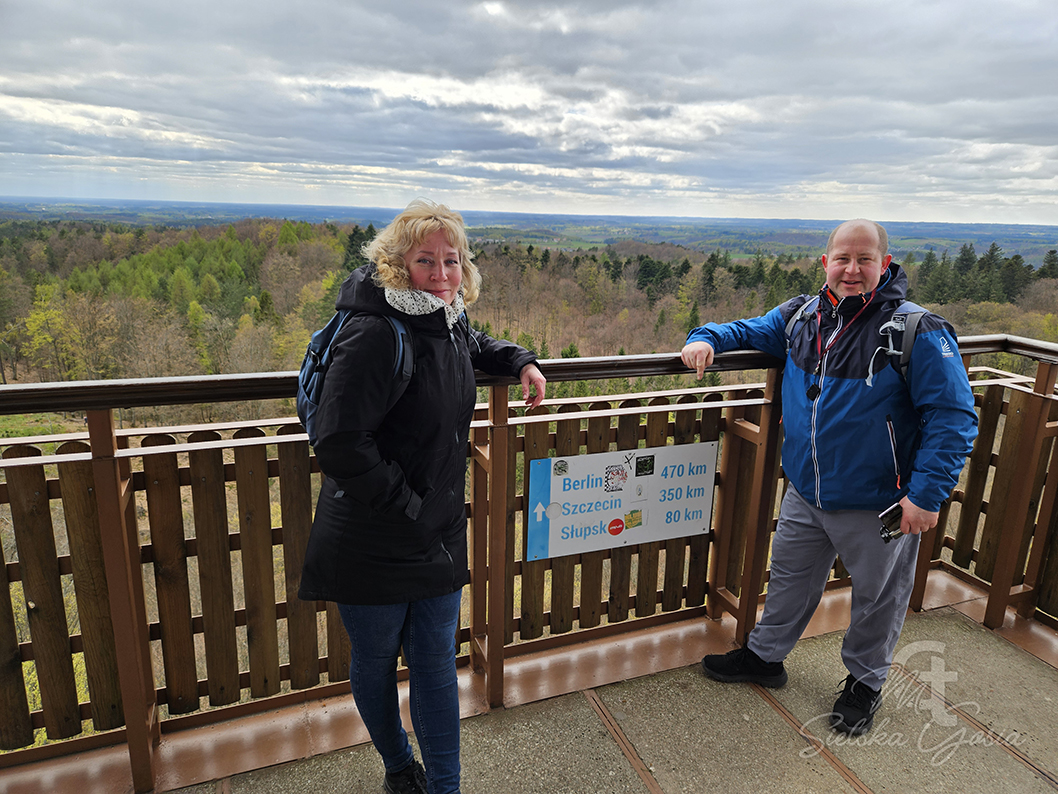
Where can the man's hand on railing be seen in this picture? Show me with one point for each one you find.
(697, 356)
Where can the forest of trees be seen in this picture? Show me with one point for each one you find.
(83, 300)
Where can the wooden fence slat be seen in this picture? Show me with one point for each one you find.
(255, 527)
(591, 564)
(295, 497)
(1047, 583)
(339, 651)
(42, 589)
(621, 557)
(478, 544)
(724, 518)
(698, 566)
(537, 439)
(1034, 503)
(509, 529)
(16, 727)
(1012, 448)
(165, 517)
(209, 498)
(567, 443)
(676, 548)
(90, 586)
(649, 553)
(977, 479)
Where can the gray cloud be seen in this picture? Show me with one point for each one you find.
(818, 108)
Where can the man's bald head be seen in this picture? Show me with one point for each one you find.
(883, 237)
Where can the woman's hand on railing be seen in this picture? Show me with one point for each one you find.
(533, 383)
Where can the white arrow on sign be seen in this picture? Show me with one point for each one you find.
(539, 510)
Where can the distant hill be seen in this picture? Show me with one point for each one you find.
(742, 236)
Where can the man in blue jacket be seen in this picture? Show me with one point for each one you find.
(860, 436)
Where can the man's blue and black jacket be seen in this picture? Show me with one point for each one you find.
(868, 438)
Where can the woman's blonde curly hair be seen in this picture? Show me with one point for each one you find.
(418, 221)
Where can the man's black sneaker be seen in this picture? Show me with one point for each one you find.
(410, 780)
(742, 664)
(854, 710)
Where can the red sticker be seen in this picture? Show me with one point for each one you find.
(616, 527)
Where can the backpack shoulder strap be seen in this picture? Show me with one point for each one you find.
(404, 364)
(910, 330)
(904, 323)
(807, 308)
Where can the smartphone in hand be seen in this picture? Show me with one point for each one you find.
(890, 518)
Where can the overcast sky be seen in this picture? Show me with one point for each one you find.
(914, 110)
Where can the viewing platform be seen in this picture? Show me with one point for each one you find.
(151, 638)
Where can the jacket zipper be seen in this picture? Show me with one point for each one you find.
(451, 563)
(892, 445)
(815, 407)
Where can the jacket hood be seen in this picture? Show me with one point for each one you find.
(360, 294)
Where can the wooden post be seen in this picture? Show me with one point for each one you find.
(761, 505)
(121, 555)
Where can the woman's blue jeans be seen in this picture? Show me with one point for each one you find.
(426, 629)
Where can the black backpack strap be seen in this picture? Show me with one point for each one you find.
(404, 364)
(807, 308)
(910, 330)
(900, 332)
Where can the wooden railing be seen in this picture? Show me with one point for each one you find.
(152, 573)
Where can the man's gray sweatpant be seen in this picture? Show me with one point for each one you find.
(806, 542)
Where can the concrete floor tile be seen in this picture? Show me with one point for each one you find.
(909, 749)
(696, 735)
(557, 746)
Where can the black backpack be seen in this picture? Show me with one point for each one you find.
(904, 323)
(318, 360)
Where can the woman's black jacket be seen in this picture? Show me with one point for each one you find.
(390, 523)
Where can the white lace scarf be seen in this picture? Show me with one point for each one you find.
(416, 303)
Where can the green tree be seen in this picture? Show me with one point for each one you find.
(52, 342)
(1049, 268)
(694, 318)
(966, 260)
(925, 270)
(940, 287)
(181, 290)
(288, 235)
(526, 340)
(209, 290)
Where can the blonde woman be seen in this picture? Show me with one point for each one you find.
(388, 541)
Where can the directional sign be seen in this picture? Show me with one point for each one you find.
(592, 502)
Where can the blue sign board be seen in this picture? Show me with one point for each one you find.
(591, 502)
